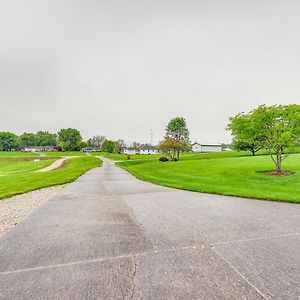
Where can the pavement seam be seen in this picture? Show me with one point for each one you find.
(255, 239)
(100, 259)
(240, 274)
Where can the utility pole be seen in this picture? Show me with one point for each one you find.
(151, 135)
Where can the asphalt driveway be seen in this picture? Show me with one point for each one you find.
(111, 236)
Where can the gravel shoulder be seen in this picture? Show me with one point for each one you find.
(13, 210)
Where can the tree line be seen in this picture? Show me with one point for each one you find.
(68, 139)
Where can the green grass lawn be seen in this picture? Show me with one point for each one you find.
(19, 176)
(116, 157)
(59, 154)
(15, 165)
(188, 155)
(17, 154)
(225, 174)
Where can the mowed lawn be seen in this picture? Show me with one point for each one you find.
(17, 154)
(117, 157)
(15, 165)
(223, 174)
(18, 174)
(60, 154)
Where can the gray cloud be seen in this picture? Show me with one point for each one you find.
(121, 68)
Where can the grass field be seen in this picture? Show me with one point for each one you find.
(18, 176)
(67, 153)
(116, 157)
(17, 154)
(223, 173)
(184, 156)
(17, 165)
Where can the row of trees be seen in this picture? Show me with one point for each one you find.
(68, 139)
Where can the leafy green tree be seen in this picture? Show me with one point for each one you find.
(247, 136)
(8, 141)
(108, 146)
(27, 140)
(84, 144)
(69, 139)
(176, 137)
(45, 138)
(172, 147)
(277, 128)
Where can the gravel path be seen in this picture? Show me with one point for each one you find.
(54, 166)
(13, 210)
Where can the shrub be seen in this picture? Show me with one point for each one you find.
(163, 159)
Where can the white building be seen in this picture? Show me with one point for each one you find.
(142, 150)
(148, 150)
(131, 151)
(40, 148)
(206, 147)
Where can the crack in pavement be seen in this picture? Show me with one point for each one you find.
(132, 276)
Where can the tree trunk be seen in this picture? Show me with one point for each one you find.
(278, 162)
(253, 152)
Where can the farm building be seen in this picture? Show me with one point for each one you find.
(206, 147)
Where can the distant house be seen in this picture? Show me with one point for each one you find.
(131, 151)
(148, 150)
(40, 148)
(90, 149)
(206, 147)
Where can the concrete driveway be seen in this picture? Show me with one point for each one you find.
(111, 236)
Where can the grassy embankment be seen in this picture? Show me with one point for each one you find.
(225, 173)
(18, 174)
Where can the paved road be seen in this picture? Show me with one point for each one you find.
(111, 236)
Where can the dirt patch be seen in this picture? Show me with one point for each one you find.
(278, 173)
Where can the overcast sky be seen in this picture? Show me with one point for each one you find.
(121, 68)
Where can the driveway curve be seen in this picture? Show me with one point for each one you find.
(58, 163)
(110, 236)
